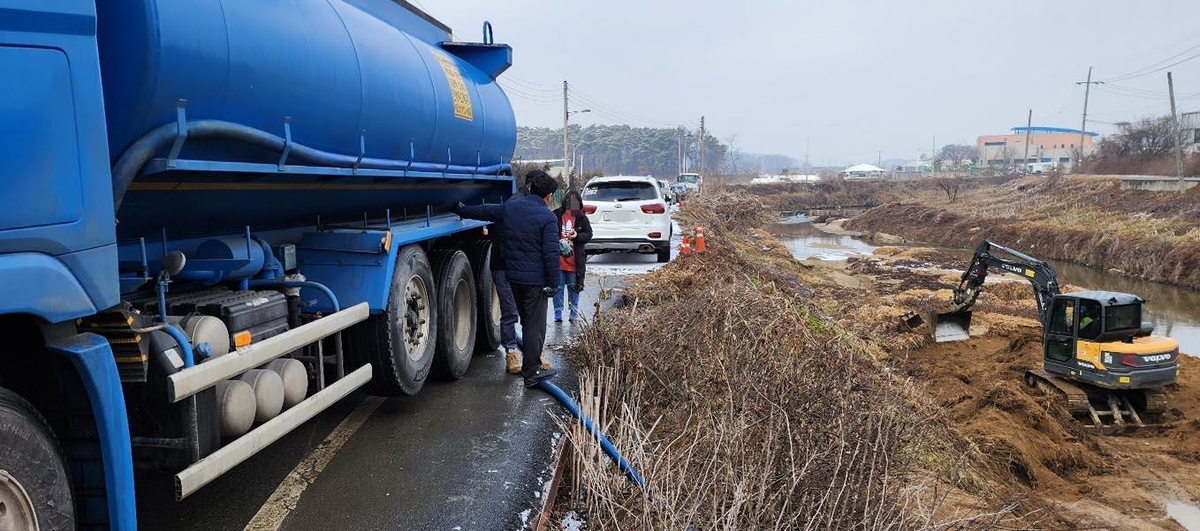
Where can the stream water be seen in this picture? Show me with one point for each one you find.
(1175, 311)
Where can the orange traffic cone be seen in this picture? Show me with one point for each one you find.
(700, 239)
(686, 246)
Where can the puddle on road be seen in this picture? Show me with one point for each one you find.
(1174, 311)
(1187, 515)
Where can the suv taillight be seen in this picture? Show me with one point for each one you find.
(654, 208)
(589, 209)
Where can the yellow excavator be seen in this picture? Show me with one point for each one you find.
(1098, 354)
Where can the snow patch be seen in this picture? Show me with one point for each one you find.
(572, 521)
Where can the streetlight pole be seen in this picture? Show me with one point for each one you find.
(566, 118)
(567, 112)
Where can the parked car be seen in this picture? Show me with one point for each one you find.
(628, 214)
(679, 192)
(665, 190)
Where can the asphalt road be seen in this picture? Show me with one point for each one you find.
(471, 454)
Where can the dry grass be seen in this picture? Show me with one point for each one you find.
(746, 406)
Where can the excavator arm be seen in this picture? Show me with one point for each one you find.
(955, 324)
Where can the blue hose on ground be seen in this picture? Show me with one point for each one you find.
(608, 447)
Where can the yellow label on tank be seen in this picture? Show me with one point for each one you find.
(1030, 273)
(1123, 379)
(458, 88)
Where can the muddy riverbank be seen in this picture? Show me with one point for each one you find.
(1174, 310)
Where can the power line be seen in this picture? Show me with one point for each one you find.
(545, 94)
(529, 85)
(1157, 67)
(522, 94)
(627, 115)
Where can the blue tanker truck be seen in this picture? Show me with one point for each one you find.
(218, 218)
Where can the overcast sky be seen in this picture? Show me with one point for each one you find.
(855, 76)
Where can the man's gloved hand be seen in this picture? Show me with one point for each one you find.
(458, 208)
(549, 291)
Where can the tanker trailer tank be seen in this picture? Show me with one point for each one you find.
(270, 117)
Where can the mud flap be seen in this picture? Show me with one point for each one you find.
(952, 326)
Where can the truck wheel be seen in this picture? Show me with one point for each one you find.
(487, 331)
(456, 313)
(34, 490)
(399, 343)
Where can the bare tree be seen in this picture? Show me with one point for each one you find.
(951, 185)
(958, 154)
(733, 157)
(1145, 139)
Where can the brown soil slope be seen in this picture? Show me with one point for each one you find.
(1026, 442)
(1151, 235)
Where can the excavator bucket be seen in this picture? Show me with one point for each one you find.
(951, 326)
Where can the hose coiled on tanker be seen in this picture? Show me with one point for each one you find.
(141, 151)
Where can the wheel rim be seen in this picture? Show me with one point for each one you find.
(416, 317)
(16, 509)
(495, 307)
(462, 315)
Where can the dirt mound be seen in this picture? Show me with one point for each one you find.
(1023, 436)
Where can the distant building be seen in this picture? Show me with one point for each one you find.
(1047, 145)
(863, 171)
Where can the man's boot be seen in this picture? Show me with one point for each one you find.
(513, 360)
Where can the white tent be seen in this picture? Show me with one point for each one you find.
(863, 171)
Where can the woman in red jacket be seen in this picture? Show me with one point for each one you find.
(574, 232)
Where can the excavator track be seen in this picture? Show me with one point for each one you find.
(1103, 411)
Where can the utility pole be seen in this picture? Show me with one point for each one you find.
(879, 160)
(1083, 128)
(1028, 131)
(701, 169)
(1175, 132)
(679, 158)
(566, 117)
(807, 148)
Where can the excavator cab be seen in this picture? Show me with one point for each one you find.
(1098, 338)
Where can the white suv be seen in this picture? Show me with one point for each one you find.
(628, 214)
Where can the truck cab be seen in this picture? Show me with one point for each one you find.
(691, 181)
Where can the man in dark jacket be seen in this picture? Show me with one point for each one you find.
(529, 231)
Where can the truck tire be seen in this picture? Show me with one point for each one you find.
(487, 301)
(399, 343)
(456, 313)
(35, 492)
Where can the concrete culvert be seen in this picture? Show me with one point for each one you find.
(295, 379)
(268, 393)
(235, 401)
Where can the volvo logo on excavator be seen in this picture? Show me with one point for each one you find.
(1015, 269)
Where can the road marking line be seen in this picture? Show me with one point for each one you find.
(286, 497)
